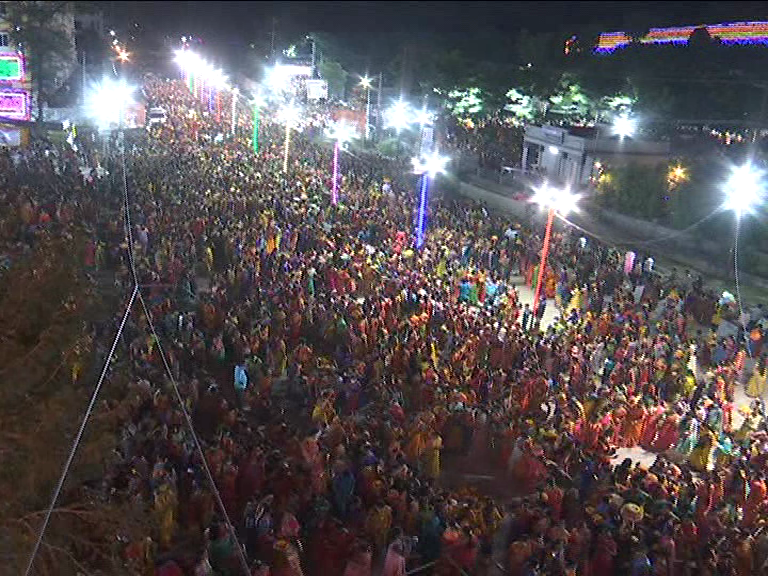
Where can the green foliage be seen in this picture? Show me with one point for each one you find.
(38, 29)
(335, 75)
(466, 103)
(524, 108)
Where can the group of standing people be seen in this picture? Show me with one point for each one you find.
(330, 369)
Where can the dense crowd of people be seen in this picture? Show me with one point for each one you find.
(329, 368)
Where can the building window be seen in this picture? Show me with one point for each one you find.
(3, 40)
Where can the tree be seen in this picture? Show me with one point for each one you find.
(636, 190)
(39, 30)
(332, 72)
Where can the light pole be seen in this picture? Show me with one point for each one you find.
(235, 93)
(289, 115)
(365, 82)
(427, 167)
(743, 190)
(555, 200)
(340, 133)
(258, 102)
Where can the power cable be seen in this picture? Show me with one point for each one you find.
(198, 445)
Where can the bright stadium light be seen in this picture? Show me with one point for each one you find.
(398, 116)
(424, 117)
(743, 190)
(625, 126)
(108, 101)
(341, 132)
(366, 82)
(561, 200)
(556, 201)
(288, 114)
(431, 165)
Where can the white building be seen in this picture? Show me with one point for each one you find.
(573, 155)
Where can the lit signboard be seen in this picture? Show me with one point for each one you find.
(14, 105)
(11, 67)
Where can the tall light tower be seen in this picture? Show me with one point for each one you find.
(289, 115)
(743, 191)
(340, 133)
(559, 201)
(427, 167)
(365, 82)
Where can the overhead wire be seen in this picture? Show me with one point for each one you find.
(136, 291)
(79, 436)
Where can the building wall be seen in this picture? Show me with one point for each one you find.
(570, 159)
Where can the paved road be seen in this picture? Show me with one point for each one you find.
(499, 197)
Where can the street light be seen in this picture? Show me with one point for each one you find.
(340, 132)
(743, 191)
(556, 200)
(427, 167)
(289, 114)
(366, 83)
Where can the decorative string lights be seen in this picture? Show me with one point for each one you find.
(727, 33)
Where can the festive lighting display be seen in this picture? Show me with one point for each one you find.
(340, 132)
(727, 33)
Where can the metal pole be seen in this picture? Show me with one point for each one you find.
(422, 210)
(335, 185)
(378, 109)
(285, 146)
(543, 263)
(256, 119)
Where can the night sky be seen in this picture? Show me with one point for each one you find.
(230, 27)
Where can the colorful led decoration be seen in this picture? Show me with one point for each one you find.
(14, 105)
(11, 67)
(727, 33)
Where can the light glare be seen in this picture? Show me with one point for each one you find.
(625, 126)
(341, 132)
(743, 189)
(431, 165)
(398, 116)
(562, 200)
(108, 101)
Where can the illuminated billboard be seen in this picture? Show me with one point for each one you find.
(14, 104)
(11, 67)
